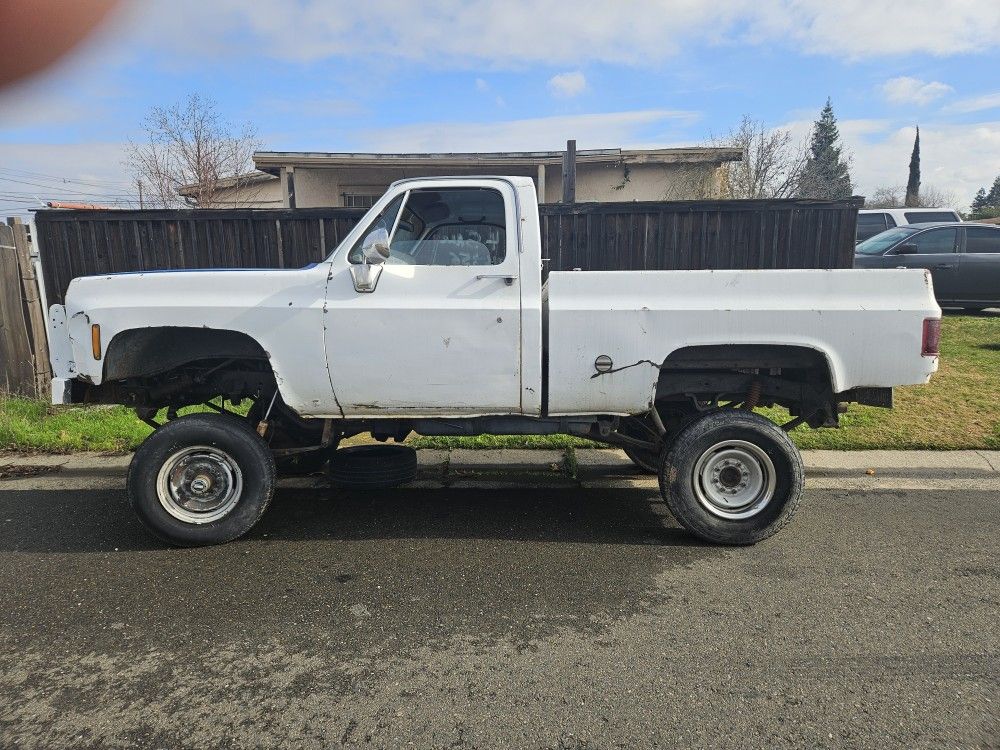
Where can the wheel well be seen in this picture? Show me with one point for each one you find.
(143, 352)
(748, 356)
(796, 377)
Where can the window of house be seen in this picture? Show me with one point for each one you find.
(982, 240)
(360, 200)
(935, 241)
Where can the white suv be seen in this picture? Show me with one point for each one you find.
(871, 221)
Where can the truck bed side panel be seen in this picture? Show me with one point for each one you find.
(867, 323)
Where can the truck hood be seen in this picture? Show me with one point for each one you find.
(205, 287)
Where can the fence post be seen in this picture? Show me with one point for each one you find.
(16, 371)
(35, 317)
(569, 173)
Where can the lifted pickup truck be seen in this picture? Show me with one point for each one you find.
(431, 316)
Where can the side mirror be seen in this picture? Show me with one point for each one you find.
(375, 248)
(907, 249)
(374, 252)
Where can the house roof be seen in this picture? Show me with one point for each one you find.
(273, 161)
(251, 178)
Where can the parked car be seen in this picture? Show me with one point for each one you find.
(431, 316)
(963, 259)
(871, 221)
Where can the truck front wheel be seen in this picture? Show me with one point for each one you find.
(201, 479)
(732, 477)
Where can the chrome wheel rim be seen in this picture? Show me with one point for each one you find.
(199, 484)
(734, 480)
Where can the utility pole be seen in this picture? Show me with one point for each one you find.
(569, 173)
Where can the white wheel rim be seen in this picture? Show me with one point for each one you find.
(734, 480)
(199, 485)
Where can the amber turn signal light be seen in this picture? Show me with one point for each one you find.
(95, 340)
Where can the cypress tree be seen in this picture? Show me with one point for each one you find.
(913, 183)
(826, 173)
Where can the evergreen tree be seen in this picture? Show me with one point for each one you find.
(987, 204)
(913, 183)
(826, 173)
(979, 202)
(993, 197)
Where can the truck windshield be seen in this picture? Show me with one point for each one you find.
(882, 241)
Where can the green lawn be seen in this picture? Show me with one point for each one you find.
(959, 409)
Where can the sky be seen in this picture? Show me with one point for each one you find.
(492, 75)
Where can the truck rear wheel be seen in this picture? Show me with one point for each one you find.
(732, 477)
(201, 479)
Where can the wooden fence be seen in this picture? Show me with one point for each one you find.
(589, 236)
(24, 357)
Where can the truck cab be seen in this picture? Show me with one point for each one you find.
(452, 320)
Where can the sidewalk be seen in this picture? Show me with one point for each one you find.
(589, 469)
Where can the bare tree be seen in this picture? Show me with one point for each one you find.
(885, 196)
(895, 196)
(188, 145)
(771, 166)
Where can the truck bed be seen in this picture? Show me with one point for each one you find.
(867, 324)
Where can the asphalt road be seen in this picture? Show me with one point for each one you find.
(548, 618)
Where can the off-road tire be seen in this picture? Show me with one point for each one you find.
(677, 477)
(373, 467)
(232, 436)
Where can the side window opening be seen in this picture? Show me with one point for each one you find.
(919, 217)
(451, 227)
(982, 240)
(869, 225)
(935, 241)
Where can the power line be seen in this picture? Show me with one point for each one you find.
(53, 187)
(94, 182)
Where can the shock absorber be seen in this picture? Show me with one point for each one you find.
(753, 396)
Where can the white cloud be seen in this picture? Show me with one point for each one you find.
(975, 104)
(567, 85)
(482, 85)
(477, 32)
(864, 29)
(907, 90)
(606, 130)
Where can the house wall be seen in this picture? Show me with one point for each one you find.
(317, 187)
(606, 183)
(259, 195)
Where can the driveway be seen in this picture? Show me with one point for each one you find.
(551, 617)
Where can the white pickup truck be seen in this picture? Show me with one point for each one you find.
(431, 317)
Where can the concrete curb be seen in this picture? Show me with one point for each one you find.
(583, 468)
(509, 459)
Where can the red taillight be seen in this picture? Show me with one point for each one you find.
(930, 345)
